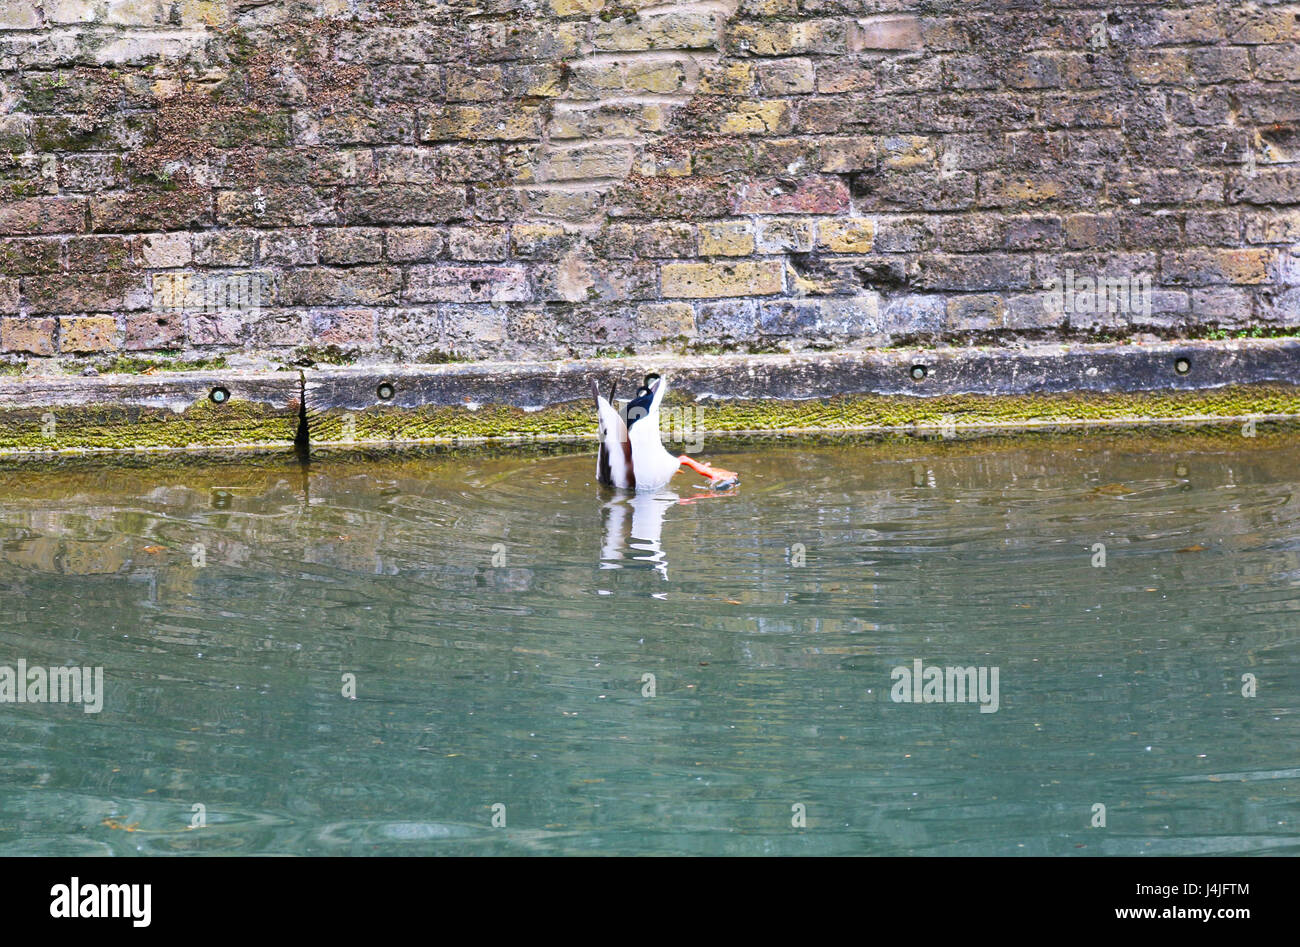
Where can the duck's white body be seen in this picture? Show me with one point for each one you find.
(631, 454)
(635, 455)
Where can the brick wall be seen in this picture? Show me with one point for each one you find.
(418, 181)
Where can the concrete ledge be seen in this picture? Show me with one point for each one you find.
(881, 390)
(859, 391)
(174, 411)
(1047, 368)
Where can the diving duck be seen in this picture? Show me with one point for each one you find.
(631, 455)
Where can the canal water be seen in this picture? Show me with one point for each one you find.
(483, 652)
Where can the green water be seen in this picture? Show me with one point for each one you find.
(500, 615)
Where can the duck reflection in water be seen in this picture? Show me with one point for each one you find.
(641, 537)
(634, 528)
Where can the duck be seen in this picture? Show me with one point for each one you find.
(631, 454)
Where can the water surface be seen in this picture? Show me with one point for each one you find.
(501, 613)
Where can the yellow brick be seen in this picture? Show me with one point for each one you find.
(676, 29)
(87, 333)
(846, 235)
(757, 118)
(204, 12)
(483, 124)
(712, 280)
(660, 77)
(735, 78)
(726, 238)
(576, 7)
(529, 238)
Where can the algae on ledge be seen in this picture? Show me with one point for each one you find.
(235, 423)
(388, 424)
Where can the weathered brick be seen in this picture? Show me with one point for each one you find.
(908, 151)
(363, 286)
(730, 320)
(487, 244)
(659, 321)
(835, 317)
(80, 335)
(912, 314)
(846, 235)
(473, 327)
(404, 204)
(144, 331)
(165, 250)
(673, 30)
(574, 176)
(575, 7)
(974, 273)
(1278, 63)
(902, 234)
(1199, 267)
(1267, 186)
(293, 247)
(344, 327)
(777, 38)
(580, 162)
(660, 78)
(39, 215)
(482, 123)
(977, 312)
(809, 194)
(20, 15)
(474, 83)
(467, 284)
(23, 257)
(711, 280)
(1273, 227)
(757, 118)
(10, 294)
(145, 211)
(232, 247)
(236, 294)
(538, 241)
(85, 292)
(726, 238)
(785, 76)
(999, 189)
(576, 203)
(1250, 24)
(663, 239)
(732, 77)
(1222, 305)
(843, 155)
(887, 33)
(350, 245)
(29, 335)
(215, 327)
(915, 189)
(408, 244)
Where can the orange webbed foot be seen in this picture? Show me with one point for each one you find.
(719, 479)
